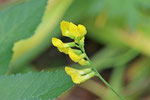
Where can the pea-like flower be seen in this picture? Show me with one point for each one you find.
(62, 47)
(79, 76)
(77, 57)
(72, 31)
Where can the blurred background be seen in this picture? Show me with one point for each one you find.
(118, 42)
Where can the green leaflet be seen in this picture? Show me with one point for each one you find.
(18, 22)
(30, 85)
(41, 39)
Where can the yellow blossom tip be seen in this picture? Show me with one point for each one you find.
(56, 42)
(82, 29)
(69, 70)
(62, 47)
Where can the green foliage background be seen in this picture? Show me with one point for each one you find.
(121, 28)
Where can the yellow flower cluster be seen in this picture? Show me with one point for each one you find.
(74, 32)
(77, 33)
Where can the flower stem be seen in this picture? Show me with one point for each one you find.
(97, 73)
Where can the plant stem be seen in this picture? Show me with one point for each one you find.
(97, 73)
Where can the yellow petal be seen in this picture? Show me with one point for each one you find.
(82, 29)
(57, 42)
(74, 30)
(60, 45)
(74, 57)
(64, 50)
(64, 25)
(70, 70)
(77, 79)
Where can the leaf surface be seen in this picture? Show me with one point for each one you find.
(25, 53)
(34, 85)
(18, 22)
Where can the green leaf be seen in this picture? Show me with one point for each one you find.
(18, 22)
(30, 85)
(25, 53)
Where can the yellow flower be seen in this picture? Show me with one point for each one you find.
(62, 47)
(74, 56)
(71, 30)
(79, 76)
(77, 58)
